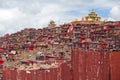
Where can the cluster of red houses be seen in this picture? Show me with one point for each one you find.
(52, 48)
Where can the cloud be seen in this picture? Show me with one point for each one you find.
(17, 14)
(115, 12)
(9, 14)
(8, 18)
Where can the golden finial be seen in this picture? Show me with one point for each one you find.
(92, 10)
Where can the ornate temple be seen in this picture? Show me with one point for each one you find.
(91, 18)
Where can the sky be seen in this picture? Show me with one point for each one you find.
(15, 15)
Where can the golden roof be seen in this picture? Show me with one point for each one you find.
(91, 18)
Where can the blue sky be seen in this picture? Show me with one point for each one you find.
(16, 15)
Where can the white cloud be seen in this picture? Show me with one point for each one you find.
(8, 20)
(115, 12)
(9, 14)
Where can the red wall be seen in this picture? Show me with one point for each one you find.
(62, 72)
(115, 65)
(90, 65)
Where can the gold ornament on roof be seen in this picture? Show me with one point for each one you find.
(92, 16)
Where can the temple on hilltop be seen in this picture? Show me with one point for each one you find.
(91, 18)
(51, 24)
